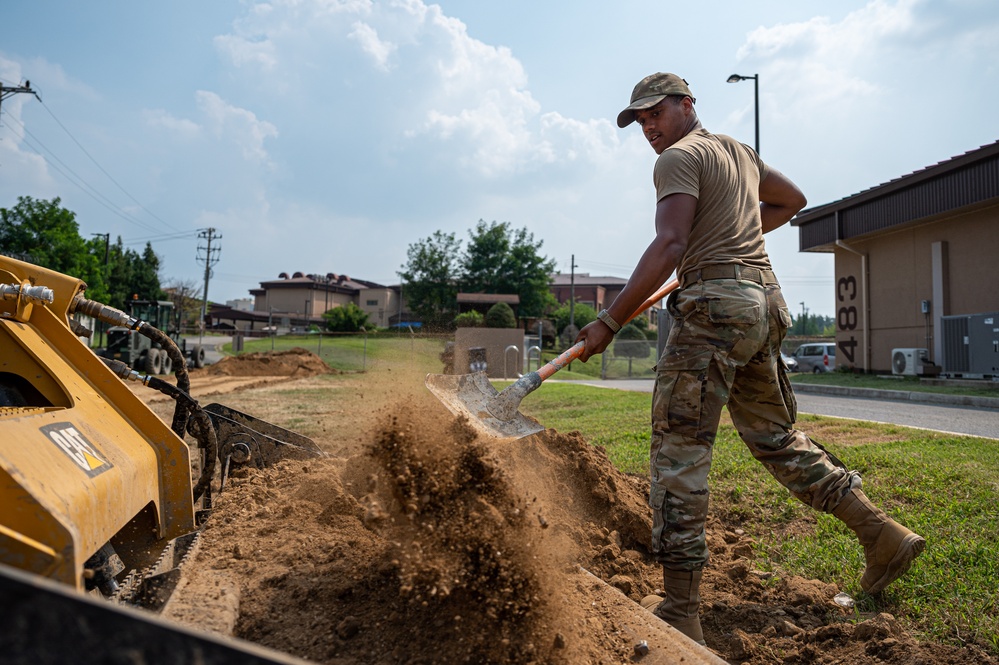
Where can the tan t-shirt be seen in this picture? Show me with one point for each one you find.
(724, 175)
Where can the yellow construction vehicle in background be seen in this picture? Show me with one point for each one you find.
(97, 494)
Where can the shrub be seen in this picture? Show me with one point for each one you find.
(346, 318)
(470, 319)
(501, 315)
(631, 343)
(582, 314)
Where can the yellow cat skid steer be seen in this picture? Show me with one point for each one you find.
(99, 508)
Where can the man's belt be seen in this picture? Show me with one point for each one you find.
(728, 271)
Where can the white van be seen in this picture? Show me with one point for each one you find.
(816, 358)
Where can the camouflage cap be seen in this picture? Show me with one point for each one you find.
(650, 91)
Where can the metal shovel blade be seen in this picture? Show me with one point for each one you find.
(472, 396)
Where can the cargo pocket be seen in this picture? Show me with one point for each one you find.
(785, 320)
(783, 380)
(787, 392)
(683, 372)
(734, 310)
(657, 499)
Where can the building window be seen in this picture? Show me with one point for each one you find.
(371, 303)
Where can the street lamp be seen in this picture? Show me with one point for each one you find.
(735, 78)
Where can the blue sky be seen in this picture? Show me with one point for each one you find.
(327, 136)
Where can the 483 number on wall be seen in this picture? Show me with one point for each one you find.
(846, 315)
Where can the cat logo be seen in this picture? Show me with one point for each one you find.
(77, 448)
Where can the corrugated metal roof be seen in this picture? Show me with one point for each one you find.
(966, 180)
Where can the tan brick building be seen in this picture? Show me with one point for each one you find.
(916, 266)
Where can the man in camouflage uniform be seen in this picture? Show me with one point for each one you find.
(716, 199)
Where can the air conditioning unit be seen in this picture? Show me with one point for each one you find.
(909, 362)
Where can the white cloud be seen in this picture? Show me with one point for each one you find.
(236, 124)
(224, 121)
(819, 62)
(269, 27)
(186, 129)
(584, 140)
(243, 50)
(379, 50)
(453, 94)
(844, 42)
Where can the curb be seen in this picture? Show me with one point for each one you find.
(899, 395)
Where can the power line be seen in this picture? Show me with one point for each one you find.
(159, 238)
(117, 184)
(66, 170)
(75, 179)
(608, 266)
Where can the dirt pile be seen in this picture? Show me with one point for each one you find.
(296, 362)
(419, 543)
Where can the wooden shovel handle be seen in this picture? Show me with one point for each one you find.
(576, 350)
(666, 289)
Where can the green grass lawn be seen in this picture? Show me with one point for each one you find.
(942, 486)
(352, 353)
(357, 353)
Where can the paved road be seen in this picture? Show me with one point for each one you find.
(956, 419)
(971, 421)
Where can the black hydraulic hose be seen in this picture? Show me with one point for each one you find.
(116, 317)
(181, 413)
(202, 431)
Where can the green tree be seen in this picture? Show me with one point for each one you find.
(49, 236)
(502, 260)
(631, 343)
(186, 299)
(470, 319)
(501, 315)
(346, 318)
(133, 276)
(583, 315)
(431, 279)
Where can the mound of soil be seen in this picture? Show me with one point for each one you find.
(296, 362)
(424, 544)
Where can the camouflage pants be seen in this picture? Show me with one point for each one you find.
(724, 349)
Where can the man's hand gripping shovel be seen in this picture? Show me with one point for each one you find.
(497, 413)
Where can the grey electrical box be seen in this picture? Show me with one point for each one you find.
(955, 344)
(983, 343)
(971, 344)
(925, 307)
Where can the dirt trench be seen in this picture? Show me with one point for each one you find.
(416, 542)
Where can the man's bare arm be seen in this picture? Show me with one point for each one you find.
(674, 217)
(780, 200)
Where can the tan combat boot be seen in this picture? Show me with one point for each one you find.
(889, 547)
(679, 609)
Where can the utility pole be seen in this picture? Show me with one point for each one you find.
(6, 91)
(210, 258)
(572, 291)
(803, 328)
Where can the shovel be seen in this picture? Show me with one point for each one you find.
(496, 413)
